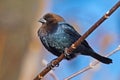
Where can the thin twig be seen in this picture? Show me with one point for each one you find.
(91, 65)
(77, 43)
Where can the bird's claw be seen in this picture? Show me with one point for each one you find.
(52, 65)
(66, 52)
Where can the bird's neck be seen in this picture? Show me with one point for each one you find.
(50, 28)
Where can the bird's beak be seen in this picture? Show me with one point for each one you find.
(42, 20)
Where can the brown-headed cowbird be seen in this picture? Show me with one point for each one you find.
(56, 35)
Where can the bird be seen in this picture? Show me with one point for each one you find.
(56, 35)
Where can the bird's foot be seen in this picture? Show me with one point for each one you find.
(66, 52)
(52, 65)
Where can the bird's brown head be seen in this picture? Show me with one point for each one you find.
(51, 18)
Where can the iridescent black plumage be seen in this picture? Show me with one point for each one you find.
(56, 35)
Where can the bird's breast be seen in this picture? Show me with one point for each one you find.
(60, 39)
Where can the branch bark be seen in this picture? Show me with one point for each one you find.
(78, 42)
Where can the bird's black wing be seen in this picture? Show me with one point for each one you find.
(70, 30)
(73, 33)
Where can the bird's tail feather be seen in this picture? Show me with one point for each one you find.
(101, 58)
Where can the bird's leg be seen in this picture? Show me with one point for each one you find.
(51, 64)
